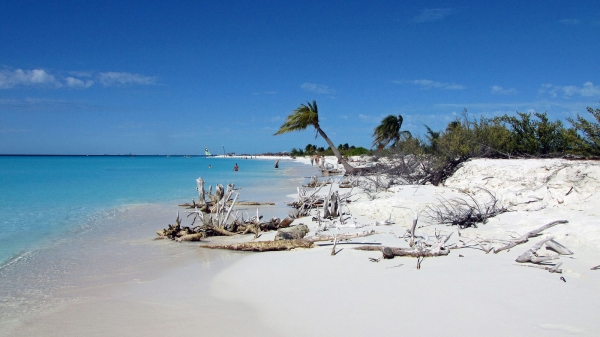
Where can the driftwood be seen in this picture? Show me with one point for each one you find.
(254, 203)
(528, 235)
(213, 216)
(557, 247)
(595, 268)
(531, 256)
(286, 222)
(309, 200)
(191, 237)
(264, 246)
(291, 233)
(340, 237)
(412, 252)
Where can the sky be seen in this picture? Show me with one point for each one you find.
(174, 77)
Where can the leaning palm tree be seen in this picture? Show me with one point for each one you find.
(307, 115)
(389, 131)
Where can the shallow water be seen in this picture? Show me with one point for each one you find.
(98, 226)
(43, 197)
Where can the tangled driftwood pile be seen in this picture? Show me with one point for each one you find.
(308, 200)
(213, 213)
(215, 217)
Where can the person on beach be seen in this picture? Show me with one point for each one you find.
(277, 164)
(312, 161)
(316, 159)
(236, 167)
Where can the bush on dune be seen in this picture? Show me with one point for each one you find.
(523, 135)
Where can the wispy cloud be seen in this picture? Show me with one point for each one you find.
(496, 89)
(429, 84)
(35, 77)
(77, 79)
(569, 21)
(587, 90)
(119, 78)
(77, 83)
(433, 14)
(317, 88)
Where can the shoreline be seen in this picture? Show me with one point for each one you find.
(467, 292)
(98, 260)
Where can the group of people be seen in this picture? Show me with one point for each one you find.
(315, 160)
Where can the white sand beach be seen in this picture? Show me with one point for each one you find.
(194, 291)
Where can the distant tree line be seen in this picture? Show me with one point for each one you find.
(436, 156)
(344, 150)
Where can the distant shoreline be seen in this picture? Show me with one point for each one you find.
(147, 155)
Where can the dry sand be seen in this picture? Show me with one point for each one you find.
(310, 292)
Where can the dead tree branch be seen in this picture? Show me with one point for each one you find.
(528, 235)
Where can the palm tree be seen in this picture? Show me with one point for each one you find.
(389, 131)
(304, 116)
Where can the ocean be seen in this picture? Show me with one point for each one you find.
(43, 198)
(69, 223)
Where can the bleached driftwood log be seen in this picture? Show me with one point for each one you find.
(291, 233)
(531, 256)
(331, 206)
(526, 236)
(412, 252)
(557, 247)
(201, 192)
(264, 246)
(340, 237)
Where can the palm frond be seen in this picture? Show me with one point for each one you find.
(389, 131)
(305, 115)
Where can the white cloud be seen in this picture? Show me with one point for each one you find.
(496, 89)
(41, 78)
(570, 21)
(77, 83)
(37, 77)
(433, 14)
(428, 84)
(587, 90)
(120, 78)
(317, 88)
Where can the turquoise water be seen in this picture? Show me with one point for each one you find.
(42, 198)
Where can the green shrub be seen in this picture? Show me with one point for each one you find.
(588, 133)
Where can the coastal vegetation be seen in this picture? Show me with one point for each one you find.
(344, 149)
(308, 115)
(435, 157)
(524, 135)
(389, 132)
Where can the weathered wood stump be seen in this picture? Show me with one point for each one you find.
(291, 233)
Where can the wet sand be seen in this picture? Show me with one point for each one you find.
(114, 278)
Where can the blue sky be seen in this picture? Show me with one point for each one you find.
(174, 77)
